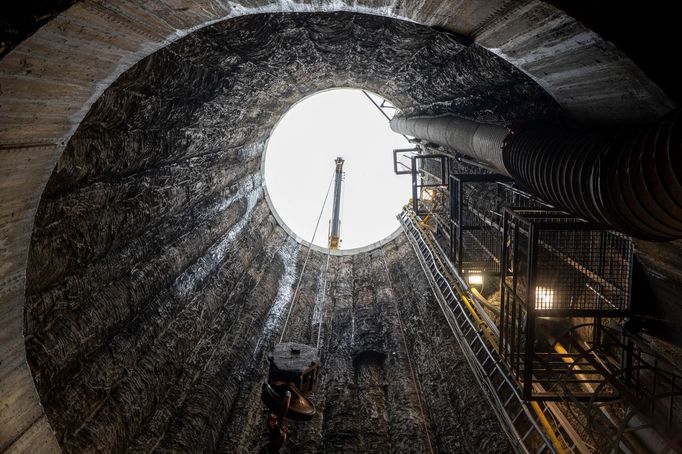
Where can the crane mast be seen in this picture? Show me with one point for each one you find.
(335, 231)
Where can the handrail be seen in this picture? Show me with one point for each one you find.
(414, 235)
(450, 268)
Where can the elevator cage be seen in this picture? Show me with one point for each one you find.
(474, 223)
(562, 279)
(477, 203)
(429, 174)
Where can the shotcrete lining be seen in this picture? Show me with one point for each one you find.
(56, 74)
(148, 298)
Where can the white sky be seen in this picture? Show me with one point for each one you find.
(299, 164)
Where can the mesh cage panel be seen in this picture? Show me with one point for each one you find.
(559, 274)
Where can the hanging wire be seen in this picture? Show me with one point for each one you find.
(323, 311)
(310, 246)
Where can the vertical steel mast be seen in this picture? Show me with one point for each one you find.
(335, 232)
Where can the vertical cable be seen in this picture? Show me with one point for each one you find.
(310, 246)
(324, 300)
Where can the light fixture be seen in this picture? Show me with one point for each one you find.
(475, 279)
(428, 194)
(544, 298)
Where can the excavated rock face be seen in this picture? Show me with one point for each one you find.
(158, 279)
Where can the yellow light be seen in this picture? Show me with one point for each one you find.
(428, 194)
(475, 279)
(544, 298)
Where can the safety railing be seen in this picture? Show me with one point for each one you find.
(621, 421)
(532, 427)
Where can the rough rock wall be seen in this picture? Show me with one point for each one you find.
(381, 326)
(157, 276)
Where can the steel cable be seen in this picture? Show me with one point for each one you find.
(305, 262)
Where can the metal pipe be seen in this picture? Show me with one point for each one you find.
(479, 141)
(549, 430)
(335, 234)
(628, 180)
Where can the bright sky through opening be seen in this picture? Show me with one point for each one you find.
(299, 164)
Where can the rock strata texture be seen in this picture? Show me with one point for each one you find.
(158, 279)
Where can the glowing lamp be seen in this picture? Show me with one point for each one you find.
(544, 298)
(475, 279)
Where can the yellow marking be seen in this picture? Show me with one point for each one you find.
(548, 428)
(558, 445)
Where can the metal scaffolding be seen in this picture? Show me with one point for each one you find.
(553, 348)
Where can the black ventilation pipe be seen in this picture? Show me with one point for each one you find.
(628, 180)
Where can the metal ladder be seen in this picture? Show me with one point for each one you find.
(519, 420)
